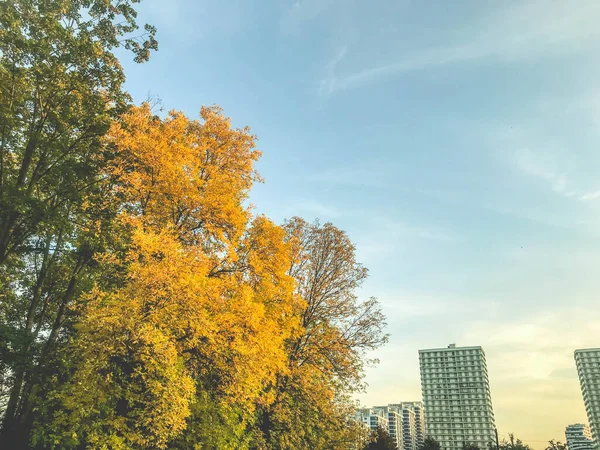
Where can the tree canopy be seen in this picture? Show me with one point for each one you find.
(430, 444)
(381, 440)
(142, 302)
(513, 443)
(470, 446)
(556, 445)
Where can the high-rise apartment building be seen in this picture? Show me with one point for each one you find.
(409, 429)
(403, 421)
(579, 437)
(417, 408)
(456, 395)
(373, 418)
(395, 427)
(588, 368)
(384, 417)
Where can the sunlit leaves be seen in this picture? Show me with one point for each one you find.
(205, 305)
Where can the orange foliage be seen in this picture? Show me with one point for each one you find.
(205, 302)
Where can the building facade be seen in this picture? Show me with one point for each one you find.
(373, 418)
(403, 421)
(579, 437)
(384, 417)
(409, 429)
(418, 409)
(456, 397)
(588, 368)
(395, 427)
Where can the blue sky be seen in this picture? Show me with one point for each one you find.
(458, 145)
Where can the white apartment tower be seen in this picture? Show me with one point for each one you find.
(588, 368)
(413, 424)
(395, 427)
(417, 408)
(456, 394)
(409, 429)
(579, 437)
(373, 418)
(385, 417)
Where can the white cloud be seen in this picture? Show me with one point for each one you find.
(530, 164)
(588, 196)
(351, 176)
(313, 207)
(546, 169)
(328, 84)
(391, 235)
(524, 30)
(533, 356)
(405, 306)
(535, 346)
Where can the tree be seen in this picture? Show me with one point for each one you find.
(430, 444)
(194, 307)
(470, 446)
(381, 440)
(326, 358)
(556, 445)
(142, 304)
(60, 89)
(513, 443)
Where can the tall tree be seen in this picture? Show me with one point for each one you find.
(60, 88)
(195, 307)
(327, 358)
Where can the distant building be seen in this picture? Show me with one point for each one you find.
(373, 418)
(588, 368)
(456, 394)
(395, 426)
(410, 429)
(579, 437)
(387, 418)
(403, 421)
(417, 408)
(413, 424)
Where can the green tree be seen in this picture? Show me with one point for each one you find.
(430, 444)
(326, 359)
(381, 440)
(60, 89)
(513, 443)
(470, 446)
(556, 445)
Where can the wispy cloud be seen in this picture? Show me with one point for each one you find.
(533, 355)
(529, 28)
(533, 165)
(328, 84)
(350, 176)
(391, 235)
(589, 196)
(315, 208)
(403, 306)
(528, 163)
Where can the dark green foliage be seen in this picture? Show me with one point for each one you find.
(60, 89)
(513, 444)
(381, 440)
(470, 446)
(430, 444)
(556, 445)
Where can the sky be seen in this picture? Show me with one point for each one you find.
(457, 143)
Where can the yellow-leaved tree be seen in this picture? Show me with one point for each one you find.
(196, 305)
(326, 360)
